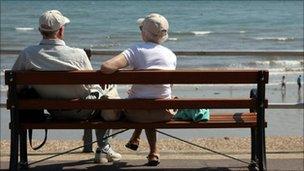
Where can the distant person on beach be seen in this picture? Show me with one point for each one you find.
(53, 54)
(283, 83)
(145, 56)
(299, 82)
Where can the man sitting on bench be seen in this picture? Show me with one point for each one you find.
(53, 54)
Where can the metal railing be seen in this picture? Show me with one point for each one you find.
(285, 53)
(196, 53)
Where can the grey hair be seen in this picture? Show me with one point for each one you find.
(162, 37)
(48, 34)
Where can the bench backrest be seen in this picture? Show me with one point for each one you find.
(14, 78)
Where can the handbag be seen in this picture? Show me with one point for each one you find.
(32, 115)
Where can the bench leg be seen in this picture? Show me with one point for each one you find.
(260, 109)
(14, 149)
(253, 164)
(261, 150)
(23, 150)
(87, 141)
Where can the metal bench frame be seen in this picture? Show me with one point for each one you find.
(254, 119)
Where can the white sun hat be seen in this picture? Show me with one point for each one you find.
(52, 20)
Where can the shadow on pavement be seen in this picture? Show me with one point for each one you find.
(136, 165)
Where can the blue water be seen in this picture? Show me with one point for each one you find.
(194, 26)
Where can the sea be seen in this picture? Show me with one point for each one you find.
(232, 25)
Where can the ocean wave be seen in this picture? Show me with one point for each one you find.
(231, 32)
(262, 63)
(271, 66)
(286, 63)
(276, 71)
(283, 65)
(191, 33)
(249, 66)
(282, 71)
(105, 45)
(275, 38)
(172, 39)
(24, 28)
(200, 32)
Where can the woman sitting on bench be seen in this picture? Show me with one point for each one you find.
(148, 55)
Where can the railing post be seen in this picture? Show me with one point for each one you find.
(261, 148)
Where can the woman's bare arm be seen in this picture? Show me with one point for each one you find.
(114, 64)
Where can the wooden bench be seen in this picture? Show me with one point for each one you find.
(253, 119)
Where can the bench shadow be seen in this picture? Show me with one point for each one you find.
(89, 165)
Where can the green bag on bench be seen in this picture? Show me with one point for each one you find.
(195, 115)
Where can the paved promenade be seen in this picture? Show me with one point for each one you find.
(283, 153)
(169, 162)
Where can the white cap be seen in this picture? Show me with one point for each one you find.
(154, 23)
(52, 20)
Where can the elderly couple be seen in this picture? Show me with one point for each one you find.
(53, 54)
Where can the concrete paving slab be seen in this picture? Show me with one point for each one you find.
(165, 165)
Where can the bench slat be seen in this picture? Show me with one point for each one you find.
(138, 77)
(227, 120)
(136, 104)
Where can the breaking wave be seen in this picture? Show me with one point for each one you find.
(191, 33)
(202, 32)
(24, 28)
(275, 38)
(172, 39)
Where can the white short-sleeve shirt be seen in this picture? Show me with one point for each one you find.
(150, 56)
(52, 55)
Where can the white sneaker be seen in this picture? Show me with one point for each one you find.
(100, 157)
(111, 154)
